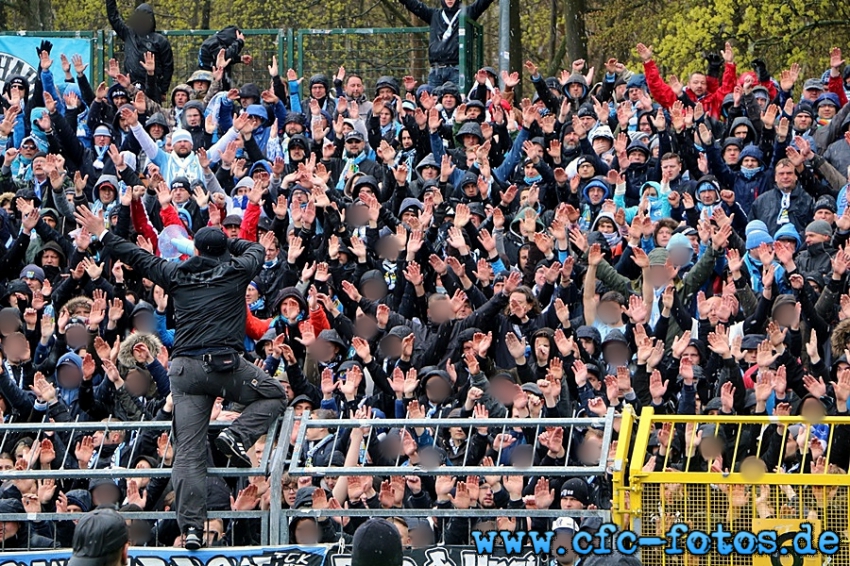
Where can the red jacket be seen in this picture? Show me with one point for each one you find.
(836, 86)
(256, 327)
(250, 220)
(142, 225)
(711, 102)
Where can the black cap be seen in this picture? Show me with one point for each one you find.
(376, 543)
(264, 224)
(211, 242)
(354, 135)
(98, 535)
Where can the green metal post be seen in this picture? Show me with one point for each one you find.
(281, 40)
(290, 49)
(462, 41)
(301, 53)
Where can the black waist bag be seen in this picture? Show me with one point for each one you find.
(222, 361)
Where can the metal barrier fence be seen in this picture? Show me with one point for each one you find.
(261, 44)
(745, 498)
(69, 474)
(279, 533)
(369, 52)
(283, 456)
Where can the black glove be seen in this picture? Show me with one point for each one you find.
(715, 64)
(760, 67)
(45, 46)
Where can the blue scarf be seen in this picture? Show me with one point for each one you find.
(531, 180)
(22, 168)
(100, 151)
(750, 172)
(257, 305)
(350, 164)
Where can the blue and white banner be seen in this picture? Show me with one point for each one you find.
(18, 56)
(225, 556)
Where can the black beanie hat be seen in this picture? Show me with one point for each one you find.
(376, 543)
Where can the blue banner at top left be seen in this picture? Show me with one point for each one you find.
(18, 56)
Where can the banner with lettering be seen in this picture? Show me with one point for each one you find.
(18, 56)
(224, 556)
(453, 556)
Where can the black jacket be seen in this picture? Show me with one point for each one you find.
(204, 289)
(440, 51)
(139, 37)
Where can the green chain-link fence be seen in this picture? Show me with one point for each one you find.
(261, 44)
(374, 52)
(369, 52)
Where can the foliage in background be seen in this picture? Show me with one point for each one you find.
(680, 31)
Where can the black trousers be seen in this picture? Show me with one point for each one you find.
(194, 391)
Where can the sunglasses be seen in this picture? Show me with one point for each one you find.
(353, 141)
(28, 146)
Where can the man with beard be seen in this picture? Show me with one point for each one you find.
(182, 161)
(352, 91)
(355, 159)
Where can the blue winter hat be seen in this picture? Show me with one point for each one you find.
(262, 164)
(185, 217)
(751, 151)
(102, 131)
(788, 232)
(257, 110)
(755, 225)
(596, 183)
(708, 185)
(827, 98)
(757, 238)
(678, 241)
(637, 81)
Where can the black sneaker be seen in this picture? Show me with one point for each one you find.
(193, 539)
(233, 449)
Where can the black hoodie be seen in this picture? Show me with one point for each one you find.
(444, 51)
(140, 36)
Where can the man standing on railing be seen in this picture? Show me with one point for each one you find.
(208, 291)
(443, 47)
(140, 37)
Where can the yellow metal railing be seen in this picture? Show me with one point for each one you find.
(740, 495)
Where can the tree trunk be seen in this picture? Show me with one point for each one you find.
(205, 14)
(516, 39)
(574, 29)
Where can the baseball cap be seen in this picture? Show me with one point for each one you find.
(815, 84)
(566, 524)
(98, 535)
(376, 543)
(211, 242)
